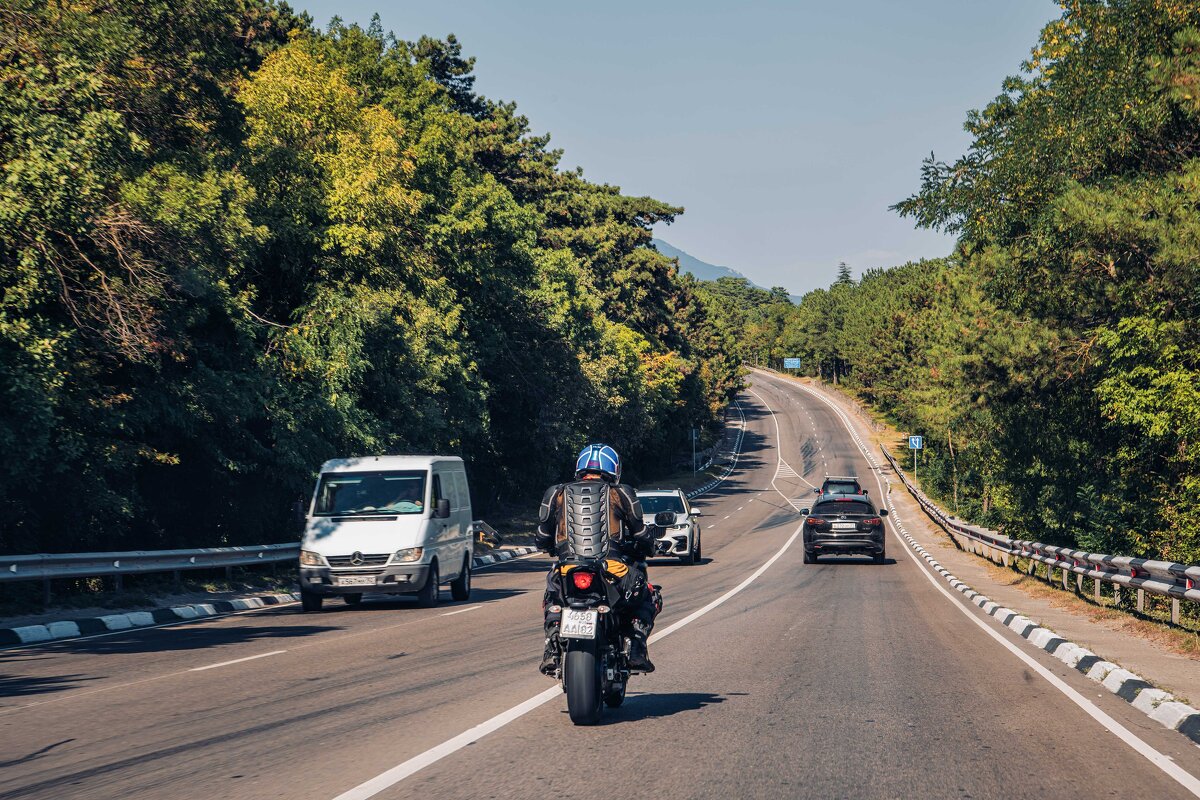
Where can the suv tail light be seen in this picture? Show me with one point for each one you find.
(873, 521)
(583, 580)
(814, 522)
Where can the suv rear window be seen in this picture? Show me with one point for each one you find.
(843, 507)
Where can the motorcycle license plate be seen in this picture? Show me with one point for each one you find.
(356, 580)
(843, 526)
(578, 623)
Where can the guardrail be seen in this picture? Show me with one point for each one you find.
(1164, 578)
(51, 566)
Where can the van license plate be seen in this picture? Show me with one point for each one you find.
(355, 580)
(578, 624)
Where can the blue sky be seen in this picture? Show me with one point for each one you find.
(786, 129)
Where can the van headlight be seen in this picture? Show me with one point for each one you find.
(408, 555)
(310, 559)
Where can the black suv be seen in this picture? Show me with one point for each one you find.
(836, 484)
(843, 523)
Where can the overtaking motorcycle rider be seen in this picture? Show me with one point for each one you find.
(633, 542)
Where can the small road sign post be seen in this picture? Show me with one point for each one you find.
(695, 435)
(916, 443)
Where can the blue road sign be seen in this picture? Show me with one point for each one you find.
(791, 363)
(916, 443)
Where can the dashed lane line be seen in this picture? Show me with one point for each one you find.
(236, 661)
(398, 773)
(459, 611)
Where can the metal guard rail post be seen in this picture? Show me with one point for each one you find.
(1165, 578)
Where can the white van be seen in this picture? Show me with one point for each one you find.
(387, 524)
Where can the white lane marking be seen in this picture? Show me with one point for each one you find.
(1163, 762)
(236, 661)
(740, 508)
(461, 610)
(778, 438)
(727, 516)
(391, 777)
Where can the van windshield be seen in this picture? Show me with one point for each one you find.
(364, 493)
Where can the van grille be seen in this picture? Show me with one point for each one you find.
(368, 560)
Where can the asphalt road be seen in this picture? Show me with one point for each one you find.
(840, 679)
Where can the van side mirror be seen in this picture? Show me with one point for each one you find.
(664, 518)
(443, 509)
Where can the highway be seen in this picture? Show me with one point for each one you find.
(839, 679)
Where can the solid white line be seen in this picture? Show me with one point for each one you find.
(417, 763)
(237, 661)
(1163, 762)
(461, 610)
(173, 623)
(391, 777)
(778, 438)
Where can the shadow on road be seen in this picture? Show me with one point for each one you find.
(852, 561)
(174, 638)
(26, 685)
(654, 706)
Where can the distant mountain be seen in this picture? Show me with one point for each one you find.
(702, 270)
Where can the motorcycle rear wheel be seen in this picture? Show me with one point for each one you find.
(584, 681)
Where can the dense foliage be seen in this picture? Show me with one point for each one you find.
(233, 246)
(1054, 361)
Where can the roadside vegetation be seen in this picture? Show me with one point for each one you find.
(1053, 360)
(233, 245)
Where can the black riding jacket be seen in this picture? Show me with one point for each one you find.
(631, 537)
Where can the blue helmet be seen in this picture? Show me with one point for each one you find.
(599, 458)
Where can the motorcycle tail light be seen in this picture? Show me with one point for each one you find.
(583, 580)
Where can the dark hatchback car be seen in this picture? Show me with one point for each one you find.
(846, 524)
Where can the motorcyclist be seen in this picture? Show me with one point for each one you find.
(632, 541)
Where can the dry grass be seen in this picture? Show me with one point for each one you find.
(1183, 640)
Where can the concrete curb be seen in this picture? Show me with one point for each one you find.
(737, 452)
(501, 556)
(69, 629)
(1159, 705)
(89, 626)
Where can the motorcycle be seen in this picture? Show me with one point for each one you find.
(594, 654)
